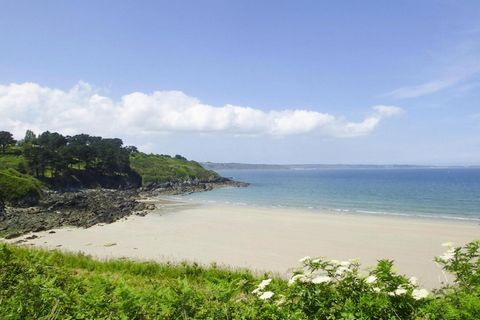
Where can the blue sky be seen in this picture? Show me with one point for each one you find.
(250, 81)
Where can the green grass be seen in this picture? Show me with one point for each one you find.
(10, 161)
(160, 168)
(38, 284)
(15, 186)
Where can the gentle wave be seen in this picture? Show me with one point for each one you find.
(341, 211)
(421, 192)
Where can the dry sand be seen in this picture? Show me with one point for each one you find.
(267, 239)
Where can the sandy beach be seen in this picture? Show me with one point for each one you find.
(266, 239)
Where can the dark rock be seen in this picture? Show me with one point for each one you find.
(81, 209)
(13, 235)
(85, 208)
(190, 186)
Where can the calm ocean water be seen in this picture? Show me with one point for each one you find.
(447, 192)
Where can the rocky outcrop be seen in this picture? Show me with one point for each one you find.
(81, 209)
(88, 207)
(190, 186)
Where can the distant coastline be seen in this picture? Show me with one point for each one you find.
(259, 166)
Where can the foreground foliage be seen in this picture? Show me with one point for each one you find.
(36, 284)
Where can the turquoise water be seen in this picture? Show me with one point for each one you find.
(447, 192)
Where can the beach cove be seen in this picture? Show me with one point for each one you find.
(265, 239)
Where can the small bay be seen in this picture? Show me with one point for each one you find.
(452, 193)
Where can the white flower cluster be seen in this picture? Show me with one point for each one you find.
(449, 255)
(259, 291)
(311, 273)
(401, 290)
(320, 271)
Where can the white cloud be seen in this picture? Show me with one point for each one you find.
(83, 109)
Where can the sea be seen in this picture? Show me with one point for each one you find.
(446, 193)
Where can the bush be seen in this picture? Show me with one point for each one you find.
(324, 289)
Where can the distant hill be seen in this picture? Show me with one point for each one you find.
(251, 166)
(234, 165)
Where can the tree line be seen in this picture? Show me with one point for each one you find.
(52, 154)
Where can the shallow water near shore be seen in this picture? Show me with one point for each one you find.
(451, 193)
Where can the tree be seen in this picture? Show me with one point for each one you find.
(30, 137)
(111, 156)
(6, 139)
(179, 157)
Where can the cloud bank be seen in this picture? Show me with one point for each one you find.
(83, 109)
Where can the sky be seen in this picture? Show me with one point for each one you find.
(346, 82)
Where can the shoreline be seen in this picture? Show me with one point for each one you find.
(263, 239)
(325, 210)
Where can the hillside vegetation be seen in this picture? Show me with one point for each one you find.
(15, 186)
(163, 168)
(84, 161)
(13, 161)
(36, 284)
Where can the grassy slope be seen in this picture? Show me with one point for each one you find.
(37, 284)
(10, 161)
(15, 185)
(152, 168)
(158, 168)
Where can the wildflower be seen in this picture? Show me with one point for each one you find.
(345, 263)
(447, 244)
(335, 262)
(321, 279)
(400, 291)
(447, 256)
(266, 295)
(376, 290)
(316, 260)
(304, 259)
(257, 291)
(413, 281)
(418, 294)
(341, 270)
(371, 279)
(264, 283)
(295, 278)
